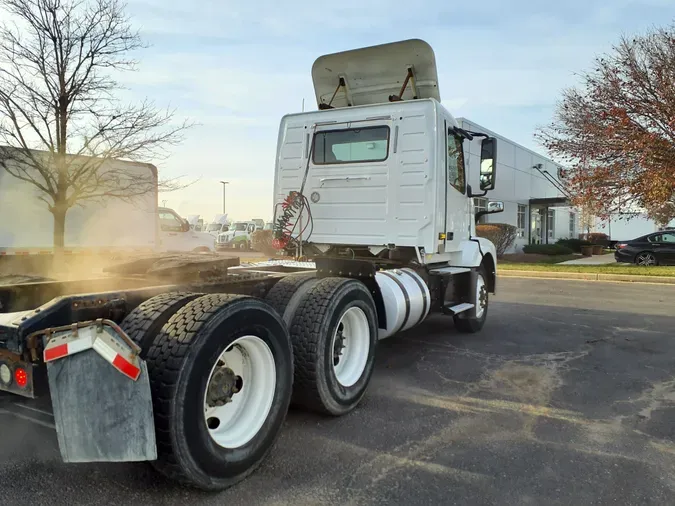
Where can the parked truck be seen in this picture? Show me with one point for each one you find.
(238, 236)
(220, 224)
(193, 368)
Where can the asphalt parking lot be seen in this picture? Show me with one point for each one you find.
(567, 396)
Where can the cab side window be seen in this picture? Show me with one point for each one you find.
(169, 222)
(455, 161)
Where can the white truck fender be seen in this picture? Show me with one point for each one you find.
(476, 251)
(473, 251)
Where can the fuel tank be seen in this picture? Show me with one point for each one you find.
(406, 299)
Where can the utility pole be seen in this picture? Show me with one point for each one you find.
(164, 203)
(224, 183)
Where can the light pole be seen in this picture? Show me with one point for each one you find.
(224, 183)
(164, 203)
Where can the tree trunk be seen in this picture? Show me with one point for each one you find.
(59, 213)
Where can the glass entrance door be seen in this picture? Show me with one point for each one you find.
(536, 227)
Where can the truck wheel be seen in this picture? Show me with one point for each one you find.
(221, 373)
(260, 290)
(473, 320)
(285, 296)
(334, 334)
(147, 319)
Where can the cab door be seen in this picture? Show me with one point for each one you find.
(171, 231)
(457, 209)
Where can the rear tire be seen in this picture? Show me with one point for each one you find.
(147, 319)
(285, 296)
(182, 363)
(472, 321)
(335, 312)
(646, 259)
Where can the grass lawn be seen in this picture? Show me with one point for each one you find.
(599, 269)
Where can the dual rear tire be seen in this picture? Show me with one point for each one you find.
(221, 373)
(334, 332)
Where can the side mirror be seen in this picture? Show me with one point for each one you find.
(488, 163)
(185, 226)
(493, 207)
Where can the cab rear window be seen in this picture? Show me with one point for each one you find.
(353, 145)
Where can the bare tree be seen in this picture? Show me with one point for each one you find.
(62, 125)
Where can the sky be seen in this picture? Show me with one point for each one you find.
(235, 68)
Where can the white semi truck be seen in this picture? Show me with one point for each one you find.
(196, 374)
(220, 223)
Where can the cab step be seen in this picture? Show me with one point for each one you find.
(451, 271)
(457, 308)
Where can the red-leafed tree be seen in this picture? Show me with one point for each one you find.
(616, 131)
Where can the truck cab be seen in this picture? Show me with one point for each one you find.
(238, 236)
(220, 224)
(383, 167)
(176, 234)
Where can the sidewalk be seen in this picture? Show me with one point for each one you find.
(594, 260)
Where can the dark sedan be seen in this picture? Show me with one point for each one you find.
(652, 249)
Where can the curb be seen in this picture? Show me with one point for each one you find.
(587, 276)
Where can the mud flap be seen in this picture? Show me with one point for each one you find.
(101, 413)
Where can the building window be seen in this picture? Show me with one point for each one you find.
(573, 225)
(550, 223)
(480, 204)
(354, 145)
(522, 220)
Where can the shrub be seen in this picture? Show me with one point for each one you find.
(573, 244)
(502, 235)
(598, 238)
(261, 240)
(547, 249)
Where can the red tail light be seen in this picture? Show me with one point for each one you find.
(621, 245)
(21, 377)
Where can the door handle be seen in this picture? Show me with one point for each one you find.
(345, 178)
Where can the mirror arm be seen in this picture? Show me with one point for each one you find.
(471, 194)
(480, 214)
(476, 134)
